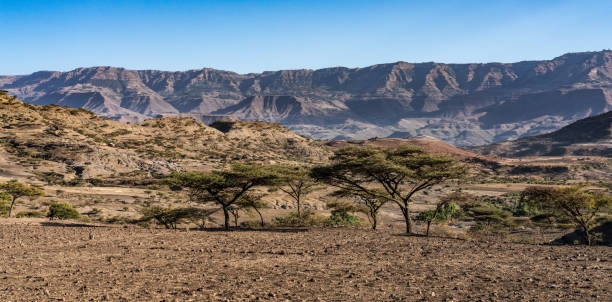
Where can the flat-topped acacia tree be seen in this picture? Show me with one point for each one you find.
(224, 188)
(296, 182)
(392, 174)
(575, 203)
(17, 190)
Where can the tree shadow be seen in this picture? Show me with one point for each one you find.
(263, 230)
(70, 225)
(429, 237)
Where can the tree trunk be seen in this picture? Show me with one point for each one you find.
(407, 219)
(298, 206)
(427, 232)
(587, 235)
(260, 217)
(373, 219)
(227, 218)
(12, 205)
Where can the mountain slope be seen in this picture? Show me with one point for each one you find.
(589, 136)
(464, 104)
(75, 142)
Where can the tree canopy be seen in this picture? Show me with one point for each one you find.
(392, 174)
(574, 203)
(296, 182)
(17, 190)
(223, 188)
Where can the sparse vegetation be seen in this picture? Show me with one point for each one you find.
(447, 208)
(17, 190)
(343, 213)
(391, 170)
(171, 217)
(30, 213)
(368, 204)
(224, 188)
(295, 182)
(255, 170)
(573, 203)
(306, 218)
(62, 210)
(253, 202)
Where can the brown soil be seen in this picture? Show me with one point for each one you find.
(73, 262)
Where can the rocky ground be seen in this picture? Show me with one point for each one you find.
(46, 261)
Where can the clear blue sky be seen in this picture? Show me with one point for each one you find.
(253, 36)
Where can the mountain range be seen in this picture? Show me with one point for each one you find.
(462, 104)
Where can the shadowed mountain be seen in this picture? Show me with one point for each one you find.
(269, 108)
(589, 136)
(464, 104)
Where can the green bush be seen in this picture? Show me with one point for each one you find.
(4, 208)
(62, 210)
(490, 218)
(342, 213)
(342, 219)
(294, 219)
(32, 213)
(5, 205)
(447, 212)
(120, 220)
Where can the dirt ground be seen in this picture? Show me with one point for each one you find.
(50, 261)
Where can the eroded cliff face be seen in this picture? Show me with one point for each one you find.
(464, 104)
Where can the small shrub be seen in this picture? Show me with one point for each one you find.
(5, 206)
(31, 214)
(294, 219)
(119, 220)
(62, 210)
(342, 219)
(341, 214)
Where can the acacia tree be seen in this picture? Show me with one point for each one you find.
(223, 188)
(370, 204)
(295, 182)
(17, 190)
(446, 208)
(392, 174)
(574, 203)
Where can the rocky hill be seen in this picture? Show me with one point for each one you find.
(66, 143)
(464, 104)
(589, 136)
(431, 144)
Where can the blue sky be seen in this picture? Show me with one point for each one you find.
(254, 36)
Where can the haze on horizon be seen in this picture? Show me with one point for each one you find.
(255, 36)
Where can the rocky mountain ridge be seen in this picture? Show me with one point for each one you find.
(589, 136)
(463, 104)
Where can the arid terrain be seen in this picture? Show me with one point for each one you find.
(109, 172)
(48, 261)
(306, 151)
(463, 104)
